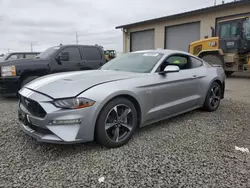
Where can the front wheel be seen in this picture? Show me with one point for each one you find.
(116, 123)
(213, 97)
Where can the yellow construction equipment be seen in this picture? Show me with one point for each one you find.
(229, 45)
(110, 54)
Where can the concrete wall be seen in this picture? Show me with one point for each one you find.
(207, 20)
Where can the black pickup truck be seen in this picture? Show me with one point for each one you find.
(63, 58)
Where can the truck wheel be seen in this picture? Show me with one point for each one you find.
(214, 59)
(28, 79)
(228, 73)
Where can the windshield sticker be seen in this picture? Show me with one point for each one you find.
(151, 54)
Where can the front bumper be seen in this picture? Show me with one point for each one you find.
(39, 136)
(9, 86)
(41, 129)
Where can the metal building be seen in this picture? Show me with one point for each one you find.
(178, 31)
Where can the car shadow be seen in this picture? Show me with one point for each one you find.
(52, 152)
(9, 98)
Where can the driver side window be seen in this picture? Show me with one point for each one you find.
(178, 60)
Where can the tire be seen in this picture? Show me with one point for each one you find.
(107, 125)
(208, 105)
(228, 73)
(214, 59)
(28, 79)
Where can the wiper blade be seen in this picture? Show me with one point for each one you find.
(112, 69)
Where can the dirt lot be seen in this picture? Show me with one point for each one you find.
(196, 149)
(238, 87)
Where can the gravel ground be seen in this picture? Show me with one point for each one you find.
(196, 149)
(238, 92)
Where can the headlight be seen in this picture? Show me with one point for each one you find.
(8, 71)
(73, 103)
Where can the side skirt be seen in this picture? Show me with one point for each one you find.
(169, 116)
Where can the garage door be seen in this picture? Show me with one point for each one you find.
(179, 37)
(142, 40)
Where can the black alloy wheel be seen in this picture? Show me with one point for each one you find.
(213, 97)
(116, 123)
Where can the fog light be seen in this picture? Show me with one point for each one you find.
(65, 122)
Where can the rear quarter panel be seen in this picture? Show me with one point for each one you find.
(214, 73)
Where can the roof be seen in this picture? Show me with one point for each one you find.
(69, 45)
(189, 13)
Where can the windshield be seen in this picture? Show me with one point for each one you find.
(246, 29)
(4, 57)
(134, 62)
(47, 53)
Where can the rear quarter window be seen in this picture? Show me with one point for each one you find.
(195, 62)
(92, 53)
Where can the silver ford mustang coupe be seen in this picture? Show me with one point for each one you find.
(107, 105)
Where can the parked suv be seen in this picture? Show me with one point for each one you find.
(15, 74)
(19, 55)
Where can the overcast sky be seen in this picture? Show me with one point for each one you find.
(47, 23)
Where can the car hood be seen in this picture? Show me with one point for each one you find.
(71, 84)
(20, 61)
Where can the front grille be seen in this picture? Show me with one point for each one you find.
(33, 107)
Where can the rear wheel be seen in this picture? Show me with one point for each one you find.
(212, 101)
(116, 123)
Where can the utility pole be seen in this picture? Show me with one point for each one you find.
(31, 47)
(76, 38)
(214, 2)
(8, 50)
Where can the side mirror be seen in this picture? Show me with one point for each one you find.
(64, 56)
(170, 68)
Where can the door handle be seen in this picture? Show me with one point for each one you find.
(194, 76)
